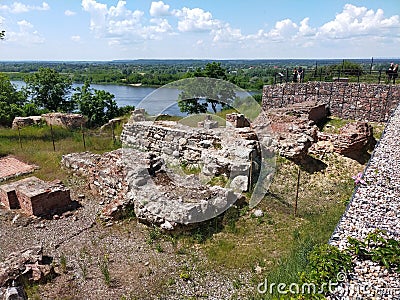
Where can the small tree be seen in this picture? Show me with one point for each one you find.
(196, 95)
(11, 101)
(50, 89)
(97, 105)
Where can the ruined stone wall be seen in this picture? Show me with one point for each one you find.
(233, 152)
(167, 140)
(358, 101)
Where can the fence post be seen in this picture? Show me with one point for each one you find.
(297, 192)
(372, 62)
(52, 137)
(83, 138)
(19, 137)
(112, 131)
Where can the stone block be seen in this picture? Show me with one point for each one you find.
(35, 196)
(64, 120)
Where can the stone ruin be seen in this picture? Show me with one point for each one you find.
(353, 139)
(148, 174)
(295, 130)
(35, 197)
(66, 120)
(29, 265)
(294, 127)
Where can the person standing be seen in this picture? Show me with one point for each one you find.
(300, 74)
(295, 74)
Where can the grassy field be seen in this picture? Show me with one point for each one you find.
(35, 145)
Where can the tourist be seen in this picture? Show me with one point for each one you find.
(392, 72)
(300, 74)
(295, 74)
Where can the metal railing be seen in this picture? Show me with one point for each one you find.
(340, 75)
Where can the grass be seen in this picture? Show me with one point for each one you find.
(34, 145)
(278, 242)
(334, 124)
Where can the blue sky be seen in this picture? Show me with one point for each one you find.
(207, 29)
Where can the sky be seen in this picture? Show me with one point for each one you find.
(96, 30)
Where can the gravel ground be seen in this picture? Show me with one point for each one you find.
(375, 205)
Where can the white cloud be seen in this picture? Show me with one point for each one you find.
(225, 33)
(119, 22)
(26, 35)
(356, 21)
(75, 38)
(195, 19)
(159, 9)
(69, 13)
(18, 7)
(123, 26)
(305, 29)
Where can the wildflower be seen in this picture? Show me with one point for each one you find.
(358, 179)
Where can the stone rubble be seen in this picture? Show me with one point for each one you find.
(30, 264)
(294, 127)
(353, 139)
(374, 205)
(127, 179)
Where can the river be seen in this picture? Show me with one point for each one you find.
(157, 101)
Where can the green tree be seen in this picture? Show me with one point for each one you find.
(347, 68)
(11, 101)
(97, 105)
(50, 90)
(197, 94)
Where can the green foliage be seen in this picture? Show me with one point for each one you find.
(63, 263)
(189, 169)
(378, 249)
(12, 102)
(49, 89)
(346, 68)
(325, 263)
(197, 93)
(104, 268)
(83, 262)
(98, 106)
(154, 235)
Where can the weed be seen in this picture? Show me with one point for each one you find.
(154, 235)
(159, 248)
(171, 281)
(83, 262)
(185, 276)
(104, 268)
(190, 169)
(63, 263)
